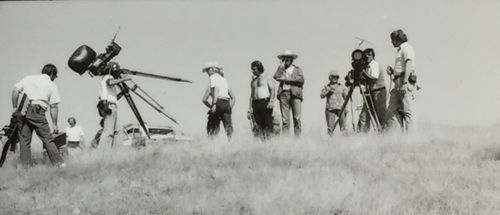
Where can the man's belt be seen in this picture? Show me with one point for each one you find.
(378, 89)
(224, 99)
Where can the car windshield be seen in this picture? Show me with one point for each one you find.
(162, 131)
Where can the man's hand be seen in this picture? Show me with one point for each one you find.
(270, 104)
(212, 109)
(390, 70)
(56, 130)
(249, 113)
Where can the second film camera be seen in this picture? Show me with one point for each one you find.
(359, 63)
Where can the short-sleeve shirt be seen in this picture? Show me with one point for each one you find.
(335, 100)
(74, 134)
(39, 89)
(108, 92)
(404, 53)
(217, 81)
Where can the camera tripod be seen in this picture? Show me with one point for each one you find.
(125, 91)
(367, 101)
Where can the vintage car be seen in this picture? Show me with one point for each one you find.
(135, 135)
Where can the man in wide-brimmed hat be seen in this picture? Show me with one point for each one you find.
(222, 100)
(291, 81)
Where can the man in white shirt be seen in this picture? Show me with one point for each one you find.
(108, 104)
(375, 102)
(74, 134)
(404, 81)
(222, 100)
(43, 95)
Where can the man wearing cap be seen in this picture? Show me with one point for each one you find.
(221, 103)
(43, 95)
(291, 81)
(108, 104)
(261, 101)
(335, 94)
(404, 81)
(375, 102)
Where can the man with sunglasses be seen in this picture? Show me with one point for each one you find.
(335, 94)
(291, 81)
(42, 95)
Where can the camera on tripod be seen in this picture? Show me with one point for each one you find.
(359, 64)
(85, 58)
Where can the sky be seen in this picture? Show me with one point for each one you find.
(455, 43)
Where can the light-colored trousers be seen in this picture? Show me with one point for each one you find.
(108, 132)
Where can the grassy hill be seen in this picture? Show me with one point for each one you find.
(439, 170)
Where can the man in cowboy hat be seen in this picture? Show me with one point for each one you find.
(335, 94)
(291, 81)
(222, 100)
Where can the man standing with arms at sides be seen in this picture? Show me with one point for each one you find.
(335, 94)
(291, 81)
(74, 134)
(261, 101)
(222, 101)
(43, 95)
(375, 94)
(404, 81)
(107, 105)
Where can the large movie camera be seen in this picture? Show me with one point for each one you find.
(85, 59)
(359, 64)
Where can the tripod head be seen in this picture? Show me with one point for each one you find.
(357, 75)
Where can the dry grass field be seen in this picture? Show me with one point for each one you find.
(439, 170)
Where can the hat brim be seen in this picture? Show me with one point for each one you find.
(205, 68)
(281, 56)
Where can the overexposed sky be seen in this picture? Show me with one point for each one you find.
(456, 43)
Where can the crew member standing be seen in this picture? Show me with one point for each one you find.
(43, 95)
(74, 134)
(375, 101)
(108, 104)
(401, 97)
(291, 81)
(335, 94)
(261, 100)
(222, 100)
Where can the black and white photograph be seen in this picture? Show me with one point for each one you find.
(345, 107)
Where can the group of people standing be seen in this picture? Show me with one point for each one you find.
(290, 78)
(43, 96)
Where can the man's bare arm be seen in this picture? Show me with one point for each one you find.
(15, 97)
(206, 97)
(232, 99)
(54, 112)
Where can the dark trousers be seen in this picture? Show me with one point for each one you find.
(222, 113)
(35, 120)
(263, 117)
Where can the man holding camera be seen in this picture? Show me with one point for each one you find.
(43, 95)
(404, 80)
(108, 103)
(291, 80)
(335, 94)
(222, 100)
(375, 94)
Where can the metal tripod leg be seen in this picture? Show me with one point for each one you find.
(159, 109)
(370, 106)
(344, 105)
(125, 90)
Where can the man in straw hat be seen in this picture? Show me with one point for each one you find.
(335, 94)
(221, 103)
(291, 81)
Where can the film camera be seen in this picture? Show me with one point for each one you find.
(359, 64)
(85, 58)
